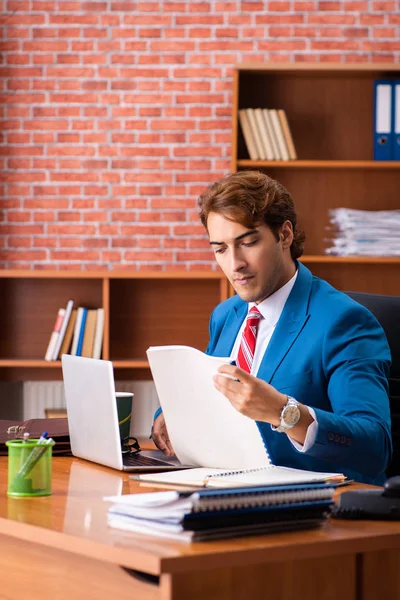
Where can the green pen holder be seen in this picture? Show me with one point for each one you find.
(29, 468)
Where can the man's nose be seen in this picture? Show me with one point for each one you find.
(238, 261)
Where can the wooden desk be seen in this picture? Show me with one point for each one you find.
(60, 547)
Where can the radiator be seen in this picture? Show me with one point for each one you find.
(39, 395)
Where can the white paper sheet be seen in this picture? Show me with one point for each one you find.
(204, 428)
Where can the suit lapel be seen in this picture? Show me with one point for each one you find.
(291, 322)
(230, 330)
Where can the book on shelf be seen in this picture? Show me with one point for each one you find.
(271, 134)
(67, 341)
(81, 332)
(98, 336)
(247, 134)
(276, 124)
(287, 134)
(54, 334)
(255, 133)
(264, 134)
(214, 514)
(77, 330)
(89, 333)
(63, 329)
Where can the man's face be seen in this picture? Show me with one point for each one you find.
(254, 261)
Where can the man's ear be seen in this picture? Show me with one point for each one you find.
(286, 234)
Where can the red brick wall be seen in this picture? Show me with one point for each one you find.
(115, 115)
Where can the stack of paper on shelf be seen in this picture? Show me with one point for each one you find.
(364, 232)
(216, 514)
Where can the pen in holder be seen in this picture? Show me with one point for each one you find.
(29, 467)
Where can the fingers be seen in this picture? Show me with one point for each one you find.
(160, 436)
(234, 372)
(226, 385)
(170, 450)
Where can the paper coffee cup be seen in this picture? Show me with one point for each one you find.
(124, 409)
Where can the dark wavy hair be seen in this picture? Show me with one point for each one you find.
(251, 198)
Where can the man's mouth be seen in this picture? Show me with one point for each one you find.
(243, 280)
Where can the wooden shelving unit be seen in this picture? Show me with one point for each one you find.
(141, 310)
(330, 111)
(319, 164)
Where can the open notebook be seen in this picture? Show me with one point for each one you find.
(269, 475)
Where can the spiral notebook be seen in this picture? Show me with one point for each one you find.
(220, 478)
(175, 505)
(214, 514)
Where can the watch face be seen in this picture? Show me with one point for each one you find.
(291, 415)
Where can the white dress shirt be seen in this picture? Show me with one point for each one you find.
(271, 309)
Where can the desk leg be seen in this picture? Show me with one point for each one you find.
(326, 578)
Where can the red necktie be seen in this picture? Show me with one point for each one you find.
(248, 341)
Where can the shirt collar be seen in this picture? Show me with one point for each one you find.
(271, 308)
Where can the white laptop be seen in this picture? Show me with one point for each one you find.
(93, 418)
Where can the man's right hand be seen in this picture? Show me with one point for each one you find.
(159, 435)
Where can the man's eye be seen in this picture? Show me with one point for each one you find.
(250, 243)
(219, 250)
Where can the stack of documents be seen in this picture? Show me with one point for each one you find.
(216, 514)
(365, 232)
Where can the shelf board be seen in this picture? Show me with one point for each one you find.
(54, 364)
(131, 364)
(309, 68)
(117, 274)
(320, 164)
(321, 258)
(31, 363)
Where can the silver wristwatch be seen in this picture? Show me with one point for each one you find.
(290, 415)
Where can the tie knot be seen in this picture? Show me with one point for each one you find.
(254, 315)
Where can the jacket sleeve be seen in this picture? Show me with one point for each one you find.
(356, 363)
(211, 333)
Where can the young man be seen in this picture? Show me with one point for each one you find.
(314, 363)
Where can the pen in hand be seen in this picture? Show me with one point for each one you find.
(233, 363)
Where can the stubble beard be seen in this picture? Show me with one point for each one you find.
(270, 287)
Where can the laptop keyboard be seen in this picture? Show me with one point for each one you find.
(137, 460)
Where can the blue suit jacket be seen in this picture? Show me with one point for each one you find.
(328, 352)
